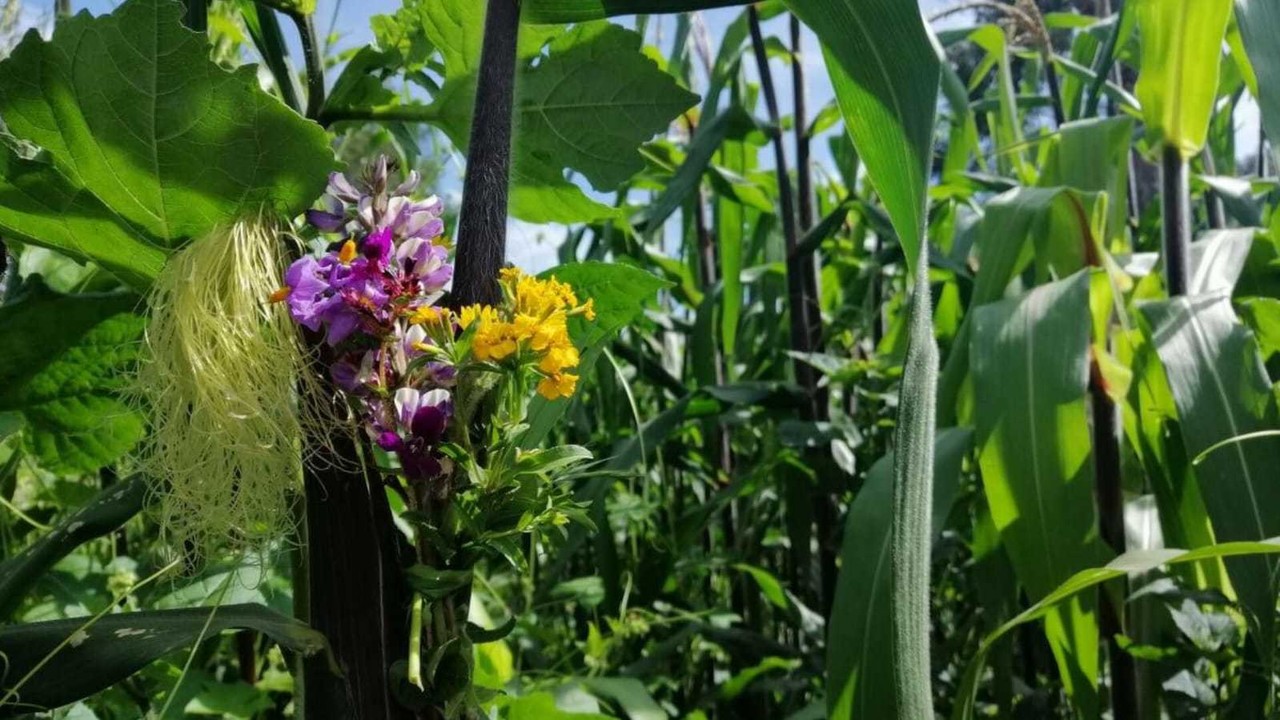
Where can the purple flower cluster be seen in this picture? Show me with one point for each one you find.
(389, 264)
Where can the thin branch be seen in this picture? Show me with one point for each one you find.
(315, 64)
(400, 113)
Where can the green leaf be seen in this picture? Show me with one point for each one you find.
(621, 293)
(83, 661)
(859, 680)
(768, 584)
(541, 706)
(1049, 226)
(1093, 156)
(593, 100)
(630, 695)
(1222, 391)
(40, 206)
(108, 510)
(1259, 22)
(1030, 357)
(1178, 83)
(435, 584)
(1132, 562)
(885, 72)
(135, 116)
(566, 11)
(66, 356)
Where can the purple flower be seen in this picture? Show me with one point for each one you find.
(426, 261)
(311, 295)
(404, 352)
(376, 248)
(424, 414)
(342, 189)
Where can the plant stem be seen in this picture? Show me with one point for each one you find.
(275, 54)
(482, 225)
(401, 113)
(1175, 201)
(315, 64)
(1110, 494)
(799, 301)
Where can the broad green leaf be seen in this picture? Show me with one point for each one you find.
(1218, 258)
(84, 660)
(108, 510)
(1135, 561)
(1222, 391)
(41, 207)
(132, 112)
(620, 293)
(585, 125)
(593, 100)
(859, 680)
(706, 141)
(1181, 50)
(566, 11)
(1030, 358)
(1052, 227)
(67, 357)
(1093, 156)
(1259, 24)
(885, 72)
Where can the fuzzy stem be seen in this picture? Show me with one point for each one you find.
(912, 506)
(482, 225)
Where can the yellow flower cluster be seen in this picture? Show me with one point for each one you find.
(532, 326)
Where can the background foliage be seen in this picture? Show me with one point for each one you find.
(1093, 526)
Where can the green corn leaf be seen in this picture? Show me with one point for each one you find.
(84, 660)
(1135, 561)
(1221, 391)
(859, 681)
(1030, 357)
(1092, 155)
(136, 118)
(1259, 24)
(885, 72)
(1181, 52)
(1050, 227)
(108, 510)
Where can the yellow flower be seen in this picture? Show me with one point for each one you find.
(557, 386)
(551, 332)
(493, 341)
(558, 359)
(429, 315)
(472, 313)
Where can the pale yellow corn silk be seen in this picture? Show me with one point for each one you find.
(219, 382)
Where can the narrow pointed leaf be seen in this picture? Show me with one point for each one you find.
(885, 73)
